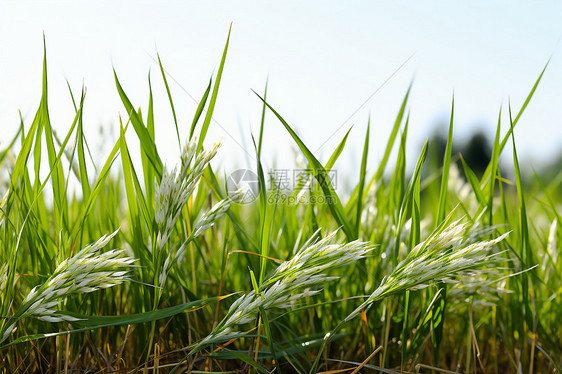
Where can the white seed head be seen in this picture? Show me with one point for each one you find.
(295, 279)
(176, 187)
(86, 271)
(443, 256)
(217, 211)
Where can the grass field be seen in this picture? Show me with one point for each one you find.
(161, 270)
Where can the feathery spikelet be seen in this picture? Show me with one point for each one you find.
(176, 187)
(293, 280)
(217, 211)
(484, 287)
(172, 194)
(447, 253)
(208, 220)
(86, 271)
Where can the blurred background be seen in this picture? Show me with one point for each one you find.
(329, 65)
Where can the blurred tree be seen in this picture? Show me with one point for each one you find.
(477, 151)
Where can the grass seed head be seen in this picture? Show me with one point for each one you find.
(443, 256)
(293, 280)
(217, 211)
(87, 271)
(176, 187)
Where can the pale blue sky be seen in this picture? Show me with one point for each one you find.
(323, 60)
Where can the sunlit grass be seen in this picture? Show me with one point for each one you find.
(426, 270)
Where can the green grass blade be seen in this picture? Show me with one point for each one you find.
(389, 145)
(132, 204)
(361, 185)
(523, 107)
(398, 180)
(84, 180)
(98, 187)
(265, 218)
(337, 152)
(135, 195)
(442, 212)
(169, 98)
(213, 101)
(329, 165)
(146, 142)
(439, 310)
(250, 361)
(10, 146)
(525, 246)
(473, 180)
(407, 202)
(149, 177)
(516, 120)
(493, 170)
(199, 110)
(262, 121)
(413, 186)
(270, 342)
(97, 322)
(334, 202)
(393, 134)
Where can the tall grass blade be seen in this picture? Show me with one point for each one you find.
(334, 202)
(213, 101)
(169, 98)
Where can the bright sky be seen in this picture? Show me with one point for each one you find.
(323, 60)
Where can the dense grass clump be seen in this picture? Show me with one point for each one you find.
(159, 270)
